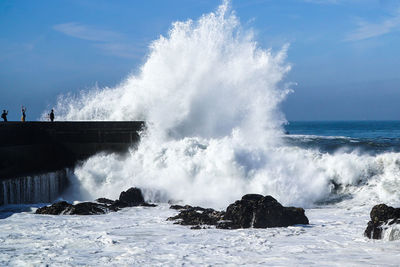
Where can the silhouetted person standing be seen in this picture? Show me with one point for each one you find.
(4, 115)
(23, 109)
(51, 115)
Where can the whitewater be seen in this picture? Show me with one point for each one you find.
(210, 96)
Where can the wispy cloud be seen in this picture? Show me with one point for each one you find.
(322, 1)
(85, 32)
(111, 42)
(368, 30)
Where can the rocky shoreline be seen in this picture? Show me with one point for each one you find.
(130, 198)
(251, 211)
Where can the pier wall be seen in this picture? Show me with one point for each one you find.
(42, 188)
(32, 148)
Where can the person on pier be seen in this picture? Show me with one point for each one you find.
(4, 115)
(23, 110)
(51, 115)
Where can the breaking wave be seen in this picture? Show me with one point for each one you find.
(210, 96)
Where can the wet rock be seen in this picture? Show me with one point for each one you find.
(261, 212)
(55, 209)
(133, 197)
(382, 216)
(84, 208)
(197, 216)
(251, 211)
(179, 207)
(105, 201)
(120, 204)
(145, 204)
(88, 208)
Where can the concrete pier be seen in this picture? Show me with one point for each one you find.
(30, 148)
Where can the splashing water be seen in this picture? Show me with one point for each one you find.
(205, 79)
(210, 96)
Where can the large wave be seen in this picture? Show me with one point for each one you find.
(210, 96)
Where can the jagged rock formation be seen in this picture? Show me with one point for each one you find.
(381, 216)
(84, 208)
(130, 198)
(262, 212)
(251, 211)
(196, 216)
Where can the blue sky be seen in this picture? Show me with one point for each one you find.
(345, 53)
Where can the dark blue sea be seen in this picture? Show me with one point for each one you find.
(372, 137)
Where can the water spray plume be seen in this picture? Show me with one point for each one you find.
(210, 96)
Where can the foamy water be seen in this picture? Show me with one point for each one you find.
(142, 237)
(210, 96)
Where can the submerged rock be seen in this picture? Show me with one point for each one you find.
(382, 216)
(84, 208)
(89, 208)
(130, 198)
(105, 201)
(179, 207)
(55, 209)
(196, 216)
(251, 211)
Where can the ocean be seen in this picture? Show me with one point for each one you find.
(141, 236)
(211, 98)
(371, 137)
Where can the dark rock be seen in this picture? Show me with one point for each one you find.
(145, 204)
(383, 212)
(261, 212)
(130, 198)
(85, 208)
(133, 197)
(179, 207)
(55, 209)
(88, 208)
(197, 216)
(251, 211)
(252, 197)
(105, 201)
(118, 204)
(381, 217)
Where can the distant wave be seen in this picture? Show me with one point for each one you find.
(311, 137)
(332, 144)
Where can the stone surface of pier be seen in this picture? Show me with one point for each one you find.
(30, 148)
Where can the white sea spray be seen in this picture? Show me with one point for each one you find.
(210, 96)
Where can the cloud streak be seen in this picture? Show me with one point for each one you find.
(84, 32)
(322, 1)
(110, 42)
(368, 30)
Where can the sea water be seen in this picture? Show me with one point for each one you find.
(210, 96)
